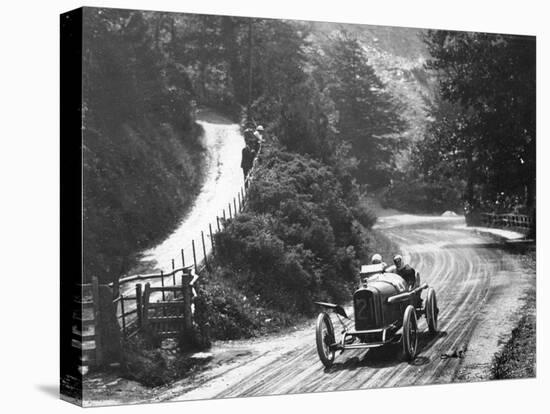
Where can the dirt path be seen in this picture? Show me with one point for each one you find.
(223, 181)
(479, 288)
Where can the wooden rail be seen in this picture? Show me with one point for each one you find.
(507, 220)
(137, 309)
(169, 318)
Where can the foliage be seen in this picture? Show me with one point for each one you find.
(367, 114)
(140, 152)
(143, 364)
(484, 128)
(157, 366)
(226, 312)
(420, 196)
(299, 239)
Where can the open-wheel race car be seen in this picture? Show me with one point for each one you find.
(386, 310)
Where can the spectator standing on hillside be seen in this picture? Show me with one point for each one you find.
(249, 137)
(258, 137)
(247, 160)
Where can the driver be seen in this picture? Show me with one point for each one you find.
(410, 277)
(405, 271)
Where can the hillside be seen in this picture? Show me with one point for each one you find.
(397, 55)
(142, 154)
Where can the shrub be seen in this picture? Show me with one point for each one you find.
(143, 364)
(299, 239)
(419, 196)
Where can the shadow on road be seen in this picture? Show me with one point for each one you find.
(210, 116)
(387, 356)
(487, 245)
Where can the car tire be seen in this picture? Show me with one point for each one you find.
(324, 336)
(409, 338)
(431, 311)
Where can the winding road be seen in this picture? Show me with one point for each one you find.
(479, 288)
(223, 180)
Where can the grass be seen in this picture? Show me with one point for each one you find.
(518, 357)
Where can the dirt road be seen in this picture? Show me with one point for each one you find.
(223, 181)
(479, 288)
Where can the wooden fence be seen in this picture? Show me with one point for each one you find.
(84, 338)
(173, 315)
(162, 306)
(132, 310)
(520, 222)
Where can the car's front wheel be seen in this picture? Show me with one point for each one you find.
(324, 335)
(431, 310)
(409, 339)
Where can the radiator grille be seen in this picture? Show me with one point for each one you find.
(365, 312)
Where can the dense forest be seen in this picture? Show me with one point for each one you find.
(479, 150)
(141, 153)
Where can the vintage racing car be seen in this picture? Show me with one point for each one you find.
(384, 306)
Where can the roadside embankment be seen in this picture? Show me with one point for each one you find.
(517, 359)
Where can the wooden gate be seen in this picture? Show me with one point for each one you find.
(167, 310)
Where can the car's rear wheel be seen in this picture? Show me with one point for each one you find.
(431, 310)
(324, 335)
(409, 339)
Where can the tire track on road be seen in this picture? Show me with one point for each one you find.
(458, 264)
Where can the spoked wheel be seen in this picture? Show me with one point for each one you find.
(324, 335)
(431, 311)
(409, 339)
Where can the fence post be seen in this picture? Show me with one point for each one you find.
(234, 206)
(194, 255)
(187, 311)
(218, 222)
(229, 204)
(98, 336)
(123, 315)
(162, 284)
(139, 304)
(224, 214)
(211, 237)
(146, 293)
(182, 259)
(173, 273)
(240, 203)
(204, 249)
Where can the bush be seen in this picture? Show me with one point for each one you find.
(153, 366)
(143, 364)
(421, 197)
(227, 313)
(300, 239)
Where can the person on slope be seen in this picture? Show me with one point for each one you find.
(255, 138)
(247, 160)
(259, 135)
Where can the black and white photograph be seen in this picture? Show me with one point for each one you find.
(287, 207)
(275, 206)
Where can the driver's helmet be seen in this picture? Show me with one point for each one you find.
(260, 128)
(398, 261)
(376, 259)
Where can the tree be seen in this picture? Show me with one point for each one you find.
(367, 114)
(490, 80)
